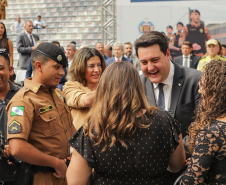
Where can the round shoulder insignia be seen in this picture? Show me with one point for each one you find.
(59, 57)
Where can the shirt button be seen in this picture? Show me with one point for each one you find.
(50, 117)
(26, 88)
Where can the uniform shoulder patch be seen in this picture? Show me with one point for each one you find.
(14, 127)
(17, 111)
(45, 109)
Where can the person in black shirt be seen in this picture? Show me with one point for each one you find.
(196, 33)
(7, 91)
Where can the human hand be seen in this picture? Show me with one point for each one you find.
(6, 151)
(61, 169)
(196, 46)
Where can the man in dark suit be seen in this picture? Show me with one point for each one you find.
(118, 50)
(25, 43)
(169, 86)
(187, 59)
(100, 47)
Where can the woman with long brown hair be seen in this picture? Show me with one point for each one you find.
(208, 133)
(84, 74)
(124, 139)
(5, 42)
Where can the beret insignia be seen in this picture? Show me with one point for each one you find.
(59, 58)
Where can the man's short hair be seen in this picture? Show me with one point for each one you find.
(37, 56)
(73, 46)
(56, 42)
(195, 11)
(73, 42)
(223, 45)
(169, 26)
(180, 23)
(128, 43)
(118, 43)
(4, 53)
(187, 43)
(39, 16)
(152, 38)
(98, 43)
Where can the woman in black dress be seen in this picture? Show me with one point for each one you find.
(124, 139)
(208, 132)
(5, 42)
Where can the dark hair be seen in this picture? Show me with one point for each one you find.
(4, 41)
(56, 42)
(169, 26)
(4, 53)
(40, 16)
(195, 11)
(73, 42)
(37, 56)
(187, 43)
(180, 23)
(78, 66)
(152, 38)
(223, 45)
(213, 98)
(110, 48)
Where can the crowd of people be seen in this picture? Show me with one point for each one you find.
(104, 115)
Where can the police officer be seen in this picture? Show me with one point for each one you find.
(196, 33)
(39, 121)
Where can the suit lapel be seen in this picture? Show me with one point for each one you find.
(150, 93)
(181, 60)
(191, 62)
(178, 80)
(27, 39)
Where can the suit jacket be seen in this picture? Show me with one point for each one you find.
(194, 61)
(24, 48)
(112, 60)
(184, 96)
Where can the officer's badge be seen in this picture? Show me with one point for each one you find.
(17, 111)
(59, 58)
(14, 127)
(45, 109)
(201, 30)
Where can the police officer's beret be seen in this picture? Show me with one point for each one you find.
(195, 11)
(52, 51)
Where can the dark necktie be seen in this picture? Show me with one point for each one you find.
(32, 42)
(161, 99)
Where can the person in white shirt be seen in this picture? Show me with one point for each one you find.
(187, 59)
(39, 24)
(17, 25)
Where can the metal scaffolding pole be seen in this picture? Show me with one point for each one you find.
(108, 20)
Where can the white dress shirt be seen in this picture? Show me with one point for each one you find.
(167, 88)
(117, 59)
(30, 37)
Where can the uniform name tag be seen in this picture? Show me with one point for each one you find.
(14, 127)
(45, 109)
